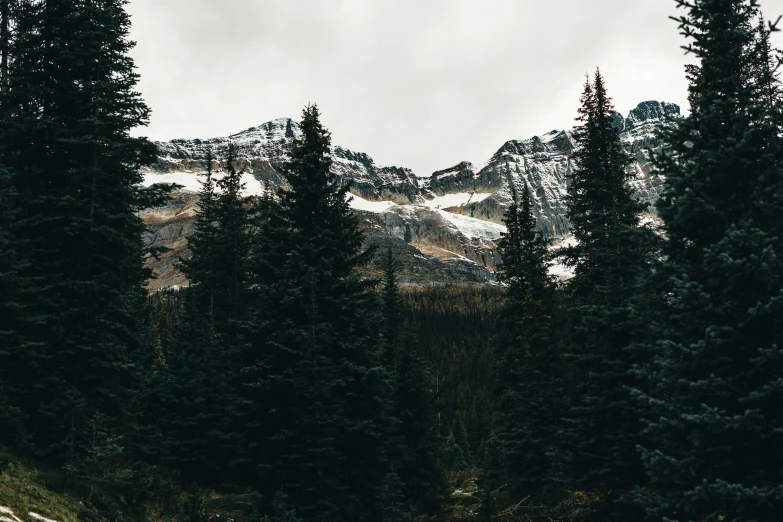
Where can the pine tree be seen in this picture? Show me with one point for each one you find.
(230, 251)
(204, 432)
(392, 311)
(713, 407)
(526, 399)
(282, 512)
(181, 405)
(395, 507)
(200, 268)
(102, 462)
(411, 436)
(601, 427)
(12, 315)
(268, 243)
(454, 453)
(320, 347)
(66, 120)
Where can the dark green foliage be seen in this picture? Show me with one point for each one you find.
(267, 247)
(490, 480)
(602, 208)
(66, 119)
(219, 250)
(13, 353)
(454, 450)
(525, 253)
(395, 506)
(194, 380)
(101, 463)
(282, 511)
(392, 312)
(714, 402)
(454, 325)
(486, 511)
(601, 428)
(203, 247)
(414, 449)
(317, 347)
(527, 400)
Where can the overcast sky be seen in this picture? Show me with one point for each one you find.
(422, 84)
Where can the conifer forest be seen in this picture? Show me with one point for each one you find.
(315, 362)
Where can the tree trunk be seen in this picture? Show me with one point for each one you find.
(5, 37)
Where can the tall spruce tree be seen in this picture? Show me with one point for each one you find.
(13, 359)
(201, 370)
(320, 347)
(412, 438)
(180, 410)
(714, 405)
(66, 121)
(609, 257)
(526, 401)
(268, 243)
(229, 252)
(201, 267)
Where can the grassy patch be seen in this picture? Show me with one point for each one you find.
(24, 488)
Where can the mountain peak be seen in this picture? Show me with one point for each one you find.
(284, 128)
(650, 111)
(459, 167)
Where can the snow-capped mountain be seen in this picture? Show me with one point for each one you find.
(263, 149)
(543, 164)
(445, 226)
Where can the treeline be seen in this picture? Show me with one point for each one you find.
(455, 324)
(280, 371)
(648, 387)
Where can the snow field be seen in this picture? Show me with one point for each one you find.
(458, 199)
(191, 181)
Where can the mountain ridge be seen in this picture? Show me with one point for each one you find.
(444, 226)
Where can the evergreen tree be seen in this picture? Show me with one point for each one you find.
(602, 427)
(101, 463)
(526, 398)
(322, 374)
(230, 251)
(392, 311)
(66, 121)
(395, 507)
(489, 481)
(454, 457)
(268, 243)
(411, 437)
(200, 268)
(12, 355)
(713, 407)
(204, 435)
(282, 512)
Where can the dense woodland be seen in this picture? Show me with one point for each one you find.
(283, 386)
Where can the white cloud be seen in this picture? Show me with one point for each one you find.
(416, 83)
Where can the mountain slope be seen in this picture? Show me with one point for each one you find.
(443, 227)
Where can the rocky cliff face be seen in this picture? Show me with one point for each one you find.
(543, 164)
(444, 227)
(262, 151)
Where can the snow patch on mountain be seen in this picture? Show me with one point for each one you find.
(358, 203)
(454, 214)
(191, 182)
(473, 228)
(459, 199)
